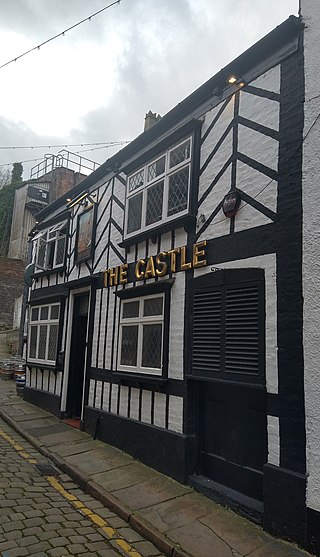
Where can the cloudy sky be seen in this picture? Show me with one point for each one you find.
(96, 83)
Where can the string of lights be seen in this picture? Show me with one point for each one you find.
(64, 145)
(60, 34)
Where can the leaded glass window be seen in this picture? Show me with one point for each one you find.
(163, 189)
(141, 335)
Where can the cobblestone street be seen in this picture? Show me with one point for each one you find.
(48, 515)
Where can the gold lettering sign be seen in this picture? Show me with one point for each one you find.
(157, 266)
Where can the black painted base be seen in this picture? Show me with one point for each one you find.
(161, 449)
(313, 531)
(241, 504)
(285, 503)
(46, 401)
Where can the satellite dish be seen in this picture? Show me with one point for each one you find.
(28, 274)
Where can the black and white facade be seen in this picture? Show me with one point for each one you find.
(173, 331)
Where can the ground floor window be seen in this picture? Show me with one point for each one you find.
(43, 333)
(141, 334)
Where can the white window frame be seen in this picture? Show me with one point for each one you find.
(139, 321)
(44, 236)
(43, 322)
(165, 177)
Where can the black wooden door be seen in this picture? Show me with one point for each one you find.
(228, 359)
(77, 355)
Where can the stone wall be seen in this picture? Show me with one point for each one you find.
(11, 287)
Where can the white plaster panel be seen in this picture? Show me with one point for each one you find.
(311, 249)
(33, 379)
(97, 400)
(220, 225)
(252, 182)
(175, 421)
(39, 378)
(95, 329)
(176, 328)
(103, 325)
(166, 241)
(58, 383)
(159, 412)
(270, 80)
(116, 330)
(114, 398)
(28, 378)
(216, 164)
(134, 404)
(217, 131)
(146, 406)
(249, 217)
(259, 147)
(141, 252)
(100, 247)
(45, 375)
(268, 263)
(91, 393)
(273, 440)
(105, 398)
(115, 238)
(109, 348)
(119, 191)
(124, 397)
(259, 109)
(52, 382)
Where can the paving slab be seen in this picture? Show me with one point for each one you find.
(200, 541)
(241, 535)
(124, 476)
(75, 448)
(93, 461)
(156, 490)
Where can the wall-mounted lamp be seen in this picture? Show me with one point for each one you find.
(236, 80)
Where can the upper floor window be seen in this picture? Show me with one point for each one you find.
(50, 247)
(159, 192)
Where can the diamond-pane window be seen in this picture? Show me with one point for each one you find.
(33, 341)
(154, 203)
(134, 213)
(151, 346)
(60, 249)
(136, 181)
(34, 314)
(178, 191)
(130, 309)
(44, 313)
(53, 342)
(42, 342)
(156, 168)
(180, 153)
(153, 306)
(54, 312)
(141, 334)
(129, 345)
(159, 192)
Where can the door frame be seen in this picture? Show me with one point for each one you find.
(66, 370)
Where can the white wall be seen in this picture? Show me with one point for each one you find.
(311, 247)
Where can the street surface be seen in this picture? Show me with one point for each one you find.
(44, 513)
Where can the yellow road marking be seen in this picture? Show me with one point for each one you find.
(20, 450)
(95, 518)
(91, 515)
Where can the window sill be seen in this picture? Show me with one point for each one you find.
(187, 221)
(43, 366)
(140, 380)
(48, 272)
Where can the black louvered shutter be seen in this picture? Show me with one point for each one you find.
(206, 332)
(242, 330)
(226, 331)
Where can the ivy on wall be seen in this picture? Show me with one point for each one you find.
(6, 206)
